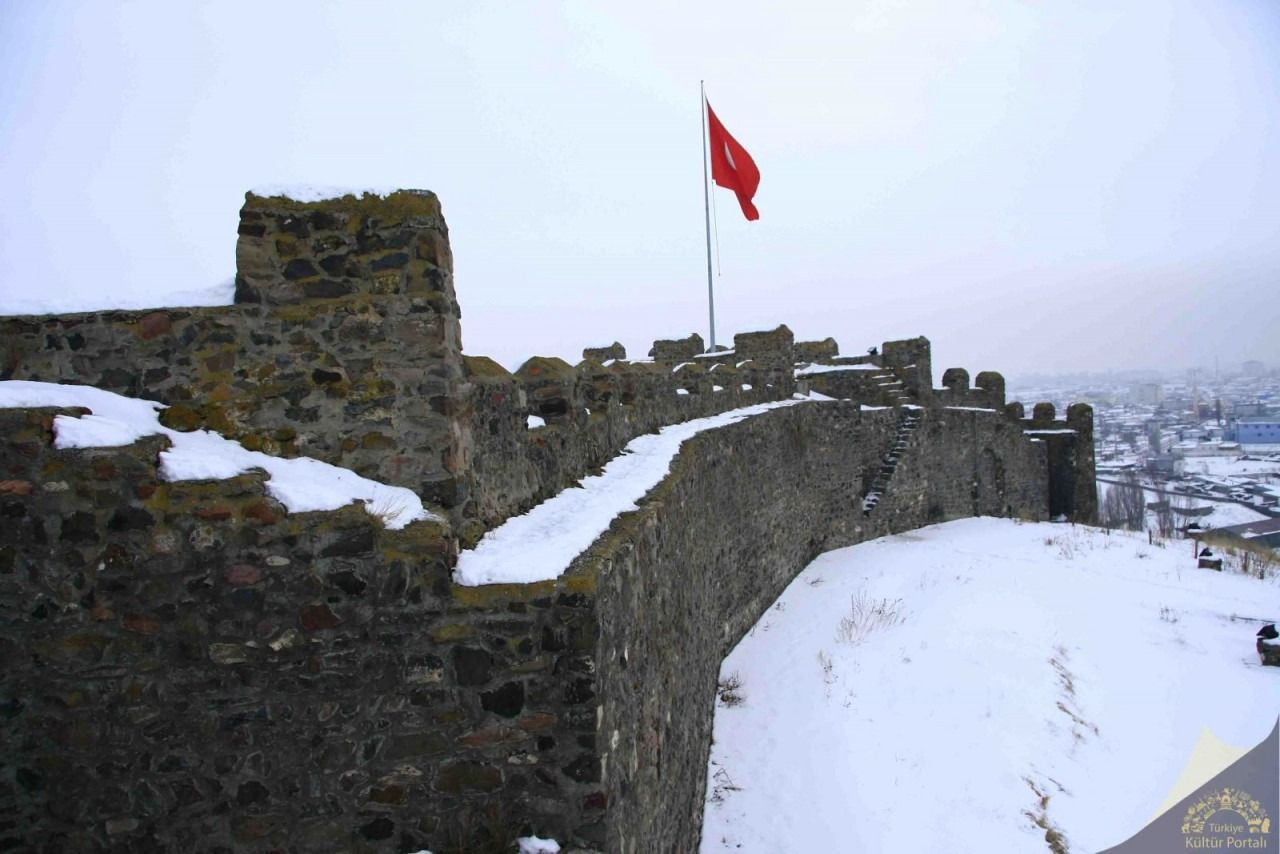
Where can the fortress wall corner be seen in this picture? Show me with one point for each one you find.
(344, 344)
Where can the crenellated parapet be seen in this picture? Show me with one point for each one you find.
(771, 354)
(987, 391)
(677, 349)
(534, 432)
(193, 666)
(868, 378)
(911, 361)
(956, 382)
(898, 373)
(817, 351)
(991, 383)
(603, 354)
(551, 389)
(1073, 490)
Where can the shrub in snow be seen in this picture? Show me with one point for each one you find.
(1239, 555)
(867, 615)
(729, 690)
(721, 785)
(390, 511)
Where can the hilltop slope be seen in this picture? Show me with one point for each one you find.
(994, 663)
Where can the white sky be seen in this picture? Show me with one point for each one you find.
(1034, 186)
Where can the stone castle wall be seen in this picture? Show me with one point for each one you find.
(344, 344)
(188, 667)
(589, 412)
(987, 393)
(1073, 491)
(745, 509)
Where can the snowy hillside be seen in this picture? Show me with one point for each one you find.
(1221, 513)
(968, 686)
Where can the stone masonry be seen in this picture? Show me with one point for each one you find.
(188, 667)
(343, 344)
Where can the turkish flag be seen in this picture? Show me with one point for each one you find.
(731, 166)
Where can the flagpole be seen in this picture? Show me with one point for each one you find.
(706, 213)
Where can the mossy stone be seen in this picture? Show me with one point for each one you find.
(181, 418)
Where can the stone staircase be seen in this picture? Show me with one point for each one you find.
(908, 420)
(891, 388)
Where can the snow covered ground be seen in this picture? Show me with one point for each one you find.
(991, 664)
(1224, 513)
(300, 484)
(1232, 467)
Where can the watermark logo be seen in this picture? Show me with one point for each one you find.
(1232, 811)
(1205, 815)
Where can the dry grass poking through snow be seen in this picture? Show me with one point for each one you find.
(867, 615)
(388, 511)
(721, 785)
(1069, 704)
(1053, 837)
(1238, 556)
(1247, 558)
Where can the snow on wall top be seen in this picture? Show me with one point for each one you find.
(308, 193)
(300, 484)
(540, 545)
(830, 369)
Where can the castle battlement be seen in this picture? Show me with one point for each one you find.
(190, 666)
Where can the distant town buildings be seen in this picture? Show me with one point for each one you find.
(1204, 447)
(1146, 394)
(1253, 368)
(1258, 432)
(1248, 409)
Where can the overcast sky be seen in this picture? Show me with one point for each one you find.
(1034, 186)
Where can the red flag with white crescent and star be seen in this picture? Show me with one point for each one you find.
(731, 165)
